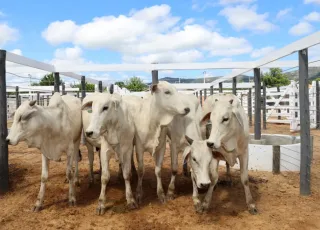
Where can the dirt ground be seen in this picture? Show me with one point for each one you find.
(277, 198)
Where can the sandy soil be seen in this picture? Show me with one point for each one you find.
(277, 198)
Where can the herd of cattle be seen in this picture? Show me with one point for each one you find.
(124, 125)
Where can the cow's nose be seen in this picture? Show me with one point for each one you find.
(187, 110)
(204, 186)
(7, 140)
(89, 133)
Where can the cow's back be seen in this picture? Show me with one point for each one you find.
(74, 112)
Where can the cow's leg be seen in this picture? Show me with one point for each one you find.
(245, 182)
(195, 196)
(77, 160)
(214, 176)
(91, 158)
(174, 170)
(229, 179)
(139, 156)
(44, 177)
(133, 167)
(126, 151)
(159, 155)
(105, 177)
(71, 174)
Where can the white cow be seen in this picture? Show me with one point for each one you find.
(54, 129)
(179, 127)
(228, 140)
(156, 112)
(94, 143)
(112, 122)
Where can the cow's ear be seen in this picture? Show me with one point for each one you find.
(153, 88)
(205, 118)
(236, 110)
(186, 153)
(190, 141)
(32, 103)
(116, 99)
(87, 105)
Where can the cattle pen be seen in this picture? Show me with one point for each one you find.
(253, 97)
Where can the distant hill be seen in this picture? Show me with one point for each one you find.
(314, 72)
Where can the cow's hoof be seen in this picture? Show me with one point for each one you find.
(199, 208)
(162, 197)
(171, 196)
(132, 205)
(72, 202)
(100, 210)
(36, 208)
(139, 197)
(253, 210)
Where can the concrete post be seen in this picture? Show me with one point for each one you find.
(155, 77)
(264, 111)
(234, 86)
(56, 82)
(17, 97)
(257, 104)
(220, 87)
(317, 105)
(211, 90)
(83, 87)
(100, 86)
(250, 106)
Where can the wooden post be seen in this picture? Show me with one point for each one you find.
(56, 82)
(257, 104)
(100, 86)
(17, 97)
(250, 106)
(305, 148)
(276, 159)
(4, 164)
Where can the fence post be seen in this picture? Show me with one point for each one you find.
(211, 90)
(17, 97)
(279, 110)
(197, 95)
(63, 89)
(264, 111)
(4, 164)
(56, 82)
(83, 87)
(257, 104)
(234, 86)
(317, 105)
(276, 159)
(155, 78)
(220, 87)
(201, 97)
(38, 98)
(78, 94)
(250, 106)
(100, 86)
(205, 94)
(305, 149)
(47, 100)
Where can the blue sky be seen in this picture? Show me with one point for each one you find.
(96, 31)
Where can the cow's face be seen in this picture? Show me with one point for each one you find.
(201, 160)
(24, 123)
(104, 111)
(168, 99)
(223, 120)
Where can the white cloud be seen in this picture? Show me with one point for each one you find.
(148, 34)
(313, 17)
(7, 34)
(2, 14)
(311, 1)
(225, 60)
(302, 28)
(211, 23)
(166, 57)
(283, 13)
(262, 52)
(227, 2)
(246, 18)
(16, 51)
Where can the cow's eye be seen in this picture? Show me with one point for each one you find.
(225, 119)
(20, 119)
(105, 108)
(194, 159)
(167, 92)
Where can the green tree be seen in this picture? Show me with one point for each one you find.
(89, 87)
(48, 79)
(120, 84)
(275, 78)
(135, 84)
